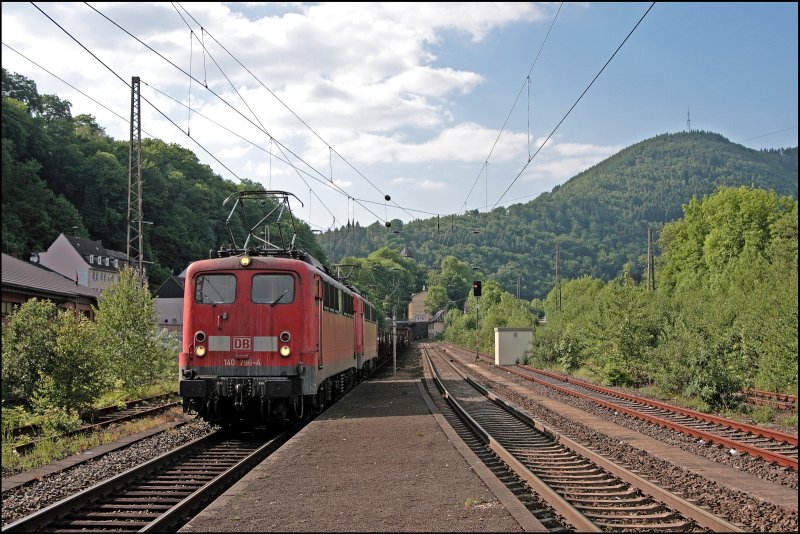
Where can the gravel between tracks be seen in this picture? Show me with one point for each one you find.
(39, 494)
(755, 515)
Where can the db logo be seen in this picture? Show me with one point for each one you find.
(242, 343)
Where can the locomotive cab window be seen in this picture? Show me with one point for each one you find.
(273, 289)
(215, 289)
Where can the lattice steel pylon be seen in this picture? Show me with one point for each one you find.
(134, 250)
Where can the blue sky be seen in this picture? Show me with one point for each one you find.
(408, 100)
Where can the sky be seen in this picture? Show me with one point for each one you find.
(439, 107)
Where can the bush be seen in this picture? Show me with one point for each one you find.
(29, 342)
(128, 338)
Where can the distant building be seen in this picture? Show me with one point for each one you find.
(22, 281)
(436, 324)
(169, 304)
(84, 261)
(423, 323)
(416, 307)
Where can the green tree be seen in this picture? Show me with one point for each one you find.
(129, 339)
(78, 373)
(436, 299)
(29, 348)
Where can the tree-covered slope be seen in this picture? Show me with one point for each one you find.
(598, 219)
(63, 174)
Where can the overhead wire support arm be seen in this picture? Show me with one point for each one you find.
(573, 105)
(302, 121)
(281, 199)
(514, 105)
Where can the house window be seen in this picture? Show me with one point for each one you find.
(91, 259)
(106, 262)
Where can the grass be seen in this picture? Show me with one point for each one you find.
(121, 395)
(470, 502)
(56, 448)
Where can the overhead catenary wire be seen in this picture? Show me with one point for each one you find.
(302, 121)
(307, 174)
(126, 119)
(280, 145)
(255, 116)
(143, 98)
(770, 133)
(568, 249)
(157, 90)
(253, 143)
(514, 105)
(260, 128)
(190, 110)
(574, 104)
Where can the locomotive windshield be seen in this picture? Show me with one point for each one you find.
(215, 289)
(273, 289)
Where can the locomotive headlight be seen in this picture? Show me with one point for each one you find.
(200, 351)
(244, 261)
(285, 351)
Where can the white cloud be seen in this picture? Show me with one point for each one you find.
(415, 183)
(558, 162)
(363, 75)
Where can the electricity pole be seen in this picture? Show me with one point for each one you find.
(558, 278)
(476, 290)
(394, 340)
(134, 237)
(651, 279)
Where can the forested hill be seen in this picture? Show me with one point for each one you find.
(598, 219)
(63, 174)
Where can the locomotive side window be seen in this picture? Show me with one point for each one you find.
(272, 289)
(215, 289)
(327, 295)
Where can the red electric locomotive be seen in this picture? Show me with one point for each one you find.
(269, 334)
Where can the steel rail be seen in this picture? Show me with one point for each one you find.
(779, 459)
(88, 429)
(701, 516)
(32, 429)
(38, 521)
(744, 427)
(559, 504)
(693, 512)
(782, 401)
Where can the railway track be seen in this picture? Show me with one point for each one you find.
(102, 419)
(781, 401)
(769, 445)
(775, 447)
(588, 491)
(161, 494)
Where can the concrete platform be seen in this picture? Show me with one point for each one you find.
(382, 459)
